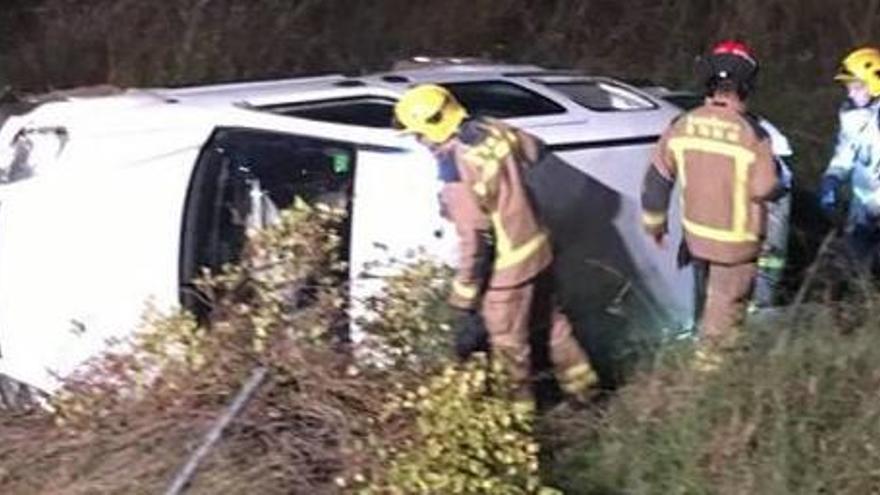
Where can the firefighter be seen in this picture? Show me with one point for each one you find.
(856, 159)
(504, 273)
(723, 159)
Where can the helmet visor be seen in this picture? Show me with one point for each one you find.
(845, 76)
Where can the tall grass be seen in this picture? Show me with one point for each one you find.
(800, 417)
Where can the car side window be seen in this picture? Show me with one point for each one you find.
(601, 96)
(361, 111)
(243, 178)
(498, 99)
(501, 99)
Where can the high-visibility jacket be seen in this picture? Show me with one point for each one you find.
(502, 242)
(723, 159)
(857, 159)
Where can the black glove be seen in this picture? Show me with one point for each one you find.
(470, 334)
(828, 199)
(684, 257)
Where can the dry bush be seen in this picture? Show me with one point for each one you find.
(127, 420)
(403, 417)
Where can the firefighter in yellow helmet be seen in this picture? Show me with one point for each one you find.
(856, 160)
(504, 271)
(723, 159)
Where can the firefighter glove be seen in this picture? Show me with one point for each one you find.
(471, 335)
(828, 196)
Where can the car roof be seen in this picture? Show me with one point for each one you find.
(303, 89)
(389, 84)
(234, 101)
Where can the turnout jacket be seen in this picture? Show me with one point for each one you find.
(723, 159)
(502, 242)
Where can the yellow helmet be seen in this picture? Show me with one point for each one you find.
(862, 65)
(430, 111)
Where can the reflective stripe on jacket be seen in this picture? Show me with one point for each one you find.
(723, 160)
(487, 201)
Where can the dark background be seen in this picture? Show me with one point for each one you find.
(63, 43)
(48, 44)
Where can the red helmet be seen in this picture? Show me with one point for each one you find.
(732, 61)
(735, 48)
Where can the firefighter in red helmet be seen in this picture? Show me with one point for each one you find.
(723, 159)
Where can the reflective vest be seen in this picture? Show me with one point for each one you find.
(724, 162)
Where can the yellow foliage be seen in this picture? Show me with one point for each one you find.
(469, 438)
(427, 425)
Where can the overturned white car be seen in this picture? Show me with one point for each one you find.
(110, 200)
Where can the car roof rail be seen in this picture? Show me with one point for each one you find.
(424, 61)
(543, 72)
(349, 83)
(94, 91)
(639, 82)
(395, 78)
(246, 85)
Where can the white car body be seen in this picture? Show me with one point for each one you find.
(106, 224)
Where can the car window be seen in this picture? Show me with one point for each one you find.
(496, 99)
(602, 96)
(242, 180)
(361, 111)
(501, 99)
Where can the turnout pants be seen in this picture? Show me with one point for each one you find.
(512, 314)
(726, 293)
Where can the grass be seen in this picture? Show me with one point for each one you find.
(796, 416)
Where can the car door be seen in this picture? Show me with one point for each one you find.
(395, 217)
(386, 182)
(243, 178)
